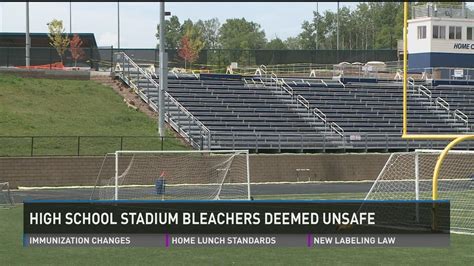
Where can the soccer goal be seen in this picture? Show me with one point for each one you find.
(409, 176)
(6, 198)
(174, 175)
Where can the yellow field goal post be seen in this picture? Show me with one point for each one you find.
(455, 138)
(446, 174)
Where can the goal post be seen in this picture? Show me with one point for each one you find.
(6, 198)
(174, 175)
(442, 158)
(410, 176)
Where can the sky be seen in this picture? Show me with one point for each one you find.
(138, 20)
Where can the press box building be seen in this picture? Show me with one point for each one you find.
(441, 38)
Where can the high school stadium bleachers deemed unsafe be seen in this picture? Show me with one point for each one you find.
(255, 113)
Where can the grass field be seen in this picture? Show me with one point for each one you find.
(40, 107)
(12, 252)
(48, 107)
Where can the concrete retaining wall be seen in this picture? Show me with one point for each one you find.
(80, 171)
(54, 74)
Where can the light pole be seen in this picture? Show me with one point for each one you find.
(70, 17)
(27, 36)
(337, 34)
(163, 73)
(118, 25)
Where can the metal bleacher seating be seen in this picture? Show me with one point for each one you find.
(261, 116)
(244, 117)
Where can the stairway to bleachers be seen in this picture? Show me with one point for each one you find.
(459, 97)
(374, 110)
(244, 117)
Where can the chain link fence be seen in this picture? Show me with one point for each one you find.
(213, 60)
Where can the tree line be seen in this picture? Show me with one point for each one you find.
(374, 25)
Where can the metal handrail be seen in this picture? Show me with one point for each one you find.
(425, 91)
(462, 116)
(195, 75)
(176, 125)
(337, 129)
(442, 103)
(340, 82)
(303, 101)
(320, 114)
(299, 98)
(80, 144)
(362, 142)
(274, 78)
(286, 87)
(262, 69)
(168, 96)
(398, 75)
(181, 107)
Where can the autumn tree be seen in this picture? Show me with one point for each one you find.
(186, 51)
(58, 39)
(76, 49)
(191, 42)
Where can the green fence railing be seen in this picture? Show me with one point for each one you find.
(83, 145)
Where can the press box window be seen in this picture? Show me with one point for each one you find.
(439, 32)
(455, 33)
(421, 32)
(469, 33)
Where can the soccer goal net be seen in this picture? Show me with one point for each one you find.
(6, 198)
(174, 175)
(409, 176)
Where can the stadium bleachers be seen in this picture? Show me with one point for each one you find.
(245, 117)
(459, 97)
(377, 108)
(255, 113)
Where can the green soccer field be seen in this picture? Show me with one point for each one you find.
(12, 251)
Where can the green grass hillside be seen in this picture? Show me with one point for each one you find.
(48, 107)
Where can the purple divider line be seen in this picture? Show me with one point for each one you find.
(167, 240)
(309, 241)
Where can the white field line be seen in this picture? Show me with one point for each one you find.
(200, 184)
(252, 183)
